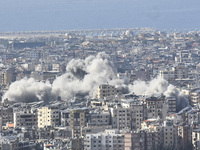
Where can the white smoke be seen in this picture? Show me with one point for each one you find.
(159, 86)
(29, 90)
(85, 75)
(82, 76)
(154, 87)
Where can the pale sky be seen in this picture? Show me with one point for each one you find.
(35, 15)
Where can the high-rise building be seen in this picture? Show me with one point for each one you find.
(48, 116)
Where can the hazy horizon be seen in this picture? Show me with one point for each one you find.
(43, 15)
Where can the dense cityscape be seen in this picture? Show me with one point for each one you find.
(112, 89)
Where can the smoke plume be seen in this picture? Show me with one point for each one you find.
(84, 76)
(159, 86)
(29, 90)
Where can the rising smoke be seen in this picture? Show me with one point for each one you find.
(84, 76)
(29, 90)
(95, 70)
(159, 86)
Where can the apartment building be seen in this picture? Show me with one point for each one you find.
(138, 112)
(121, 117)
(48, 116)
(184, 136)
(195, 97)
(106, 90)
(193, 117)
(6, 114)
(180, 71)
(171, 105)
(77, 119)
(152, 139)
(169, 132)
(167, 74)
(25, 118)
(135, 140)
(8, 76)
(99, 118)
(110, 139)
(65, 118)
(156, 107)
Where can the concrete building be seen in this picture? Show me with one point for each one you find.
(169, 134)
(184, 137)
(77, 119)
(152, 140)
(25, 118)
(48, 116)
(134, 140)
(106, 90)
(193, 118)
(138, 112)
(99, 118)
(6, 114)
(167, 74)
(139, 74)
(97, 103)
(8, 76)
(121, 117)
(180, 71)
(110, 139)
(65, 118)
(195, 97)
(171, 105)
(156, 107)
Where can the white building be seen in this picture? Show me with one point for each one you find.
(110, 139)
(48, 116)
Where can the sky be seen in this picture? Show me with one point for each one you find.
(48, 15)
